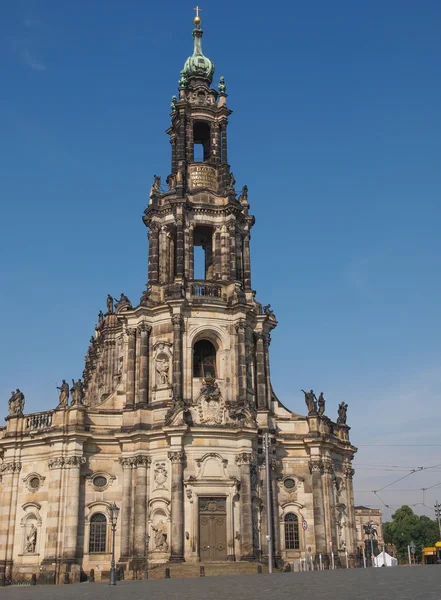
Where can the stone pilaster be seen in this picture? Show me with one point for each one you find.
(153, 253)
(178, 324)
(141, 505)
(352, 530)
(144, 334)
(216, 145)
(224, 141)
(232, 249)
(191, 252)
(190, 140)
(316, 468)
(177, 460)
(260, 371)
(72, 504)
(266, 345)
(243, 461)
(217, 270)
(126, 509)
(131, 367)
(274, 472)
(246, 261)
(9, 472)
(241, 359)
(329, 503)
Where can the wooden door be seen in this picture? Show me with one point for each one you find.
(212, 529)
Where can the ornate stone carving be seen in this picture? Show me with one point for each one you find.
(339, 486)
(74, 461)
(244, 458)
(128, 462)
(31, 540)
(342, 410)
(321, 404)
(315, 465)
(33, 481)
(240, 325)
(77, 392)
(328, 466)
(143, 327)
(131, 331)
(162, 365)
(177, 457)
(177, 321)
(210, 404)
(160, 476)
(178, 412)
(347, 469)
(10, 467)
(254, 472)
(160, 536)
(55, 463)
(143, 461)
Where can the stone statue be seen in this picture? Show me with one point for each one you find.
(162, 369)
(160, 536)
(122, 302)
(77, 392)
(244, 195)
(109, 303)
(64, 393)
(267, 310)
(31, 540)
(342, 410)
(231, 183)
(100, 318)
(171, 182)
(173, 103)
(321, 404)
(156, 186)
(16, 403)
(221, 85)
(311, 402)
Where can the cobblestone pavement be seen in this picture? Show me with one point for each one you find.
(411, 583)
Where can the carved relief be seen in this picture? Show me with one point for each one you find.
(210, 404)
(33, 481)
(177, 457)
(10, 467)
(160, 476)
(162, 369)
(162, 360)
(160, 536)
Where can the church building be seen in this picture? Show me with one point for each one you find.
(168, 419)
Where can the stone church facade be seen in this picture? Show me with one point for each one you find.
(175, 394)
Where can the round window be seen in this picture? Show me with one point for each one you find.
(289, 484)
(99, 481)
(34, 483)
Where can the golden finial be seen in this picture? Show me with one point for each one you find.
(197, 19)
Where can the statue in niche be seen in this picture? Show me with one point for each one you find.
(311, 402)
(16, 403)
(64, 393)
(342, 410)
(339, 486)
(162, 369)
(321, 404)
(77, 392)
(160, 536)
(156, 186)
(31, 540)
(160, 476)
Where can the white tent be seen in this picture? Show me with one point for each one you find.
(385, 559)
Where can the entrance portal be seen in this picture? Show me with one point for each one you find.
(213, 529)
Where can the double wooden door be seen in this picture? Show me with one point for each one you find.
(212, 529)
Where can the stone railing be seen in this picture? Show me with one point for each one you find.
(206, 290)
(39, 421)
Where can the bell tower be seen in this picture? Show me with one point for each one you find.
(201, 208)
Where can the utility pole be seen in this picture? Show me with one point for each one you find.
(438, 515)
(264, 440)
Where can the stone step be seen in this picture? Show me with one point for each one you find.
(211, 569)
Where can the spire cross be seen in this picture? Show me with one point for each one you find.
(197, 9)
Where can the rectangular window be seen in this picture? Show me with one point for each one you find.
(97, 541)
(292, 536)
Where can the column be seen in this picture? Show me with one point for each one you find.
(191, 252)
(173, 160)
(350, 514)
(72, 504)
(241, 359)
(224, 254)
(232, 250)
(131, 356)
(179, 247)
(141, 504)
(316, 467)
(177, 460)
(217, 254)
(190, 140)
(239, 257)
(126, 508)
(266, 345)
(246, 261)
(153, 253)
(263, 513)
(9, 472)
(329, 502)
(53, 510)
(260, 371)
(224, 141)
(274, 466)
(216, 145)
(144, 333)
(177, 321)
(243, 461)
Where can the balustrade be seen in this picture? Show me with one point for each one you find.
(39, 421)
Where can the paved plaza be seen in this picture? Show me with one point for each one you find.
(409, 583)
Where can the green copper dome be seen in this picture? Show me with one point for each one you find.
(197, 65)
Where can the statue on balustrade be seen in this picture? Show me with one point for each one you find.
(77, 392)
(64, 394)
(342, 410)
(16, 403)
(321, 404)
(311, 402)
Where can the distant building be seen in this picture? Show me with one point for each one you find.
(175, 390)
(365, 515)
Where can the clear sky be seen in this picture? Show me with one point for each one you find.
(336, 131)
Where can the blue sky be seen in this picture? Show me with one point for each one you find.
(336, 131)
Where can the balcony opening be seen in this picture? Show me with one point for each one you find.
(203, 253)
(204, 359)
(201, 140)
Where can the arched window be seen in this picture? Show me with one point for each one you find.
(98, 533)
(292, 540)
(204, 359)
